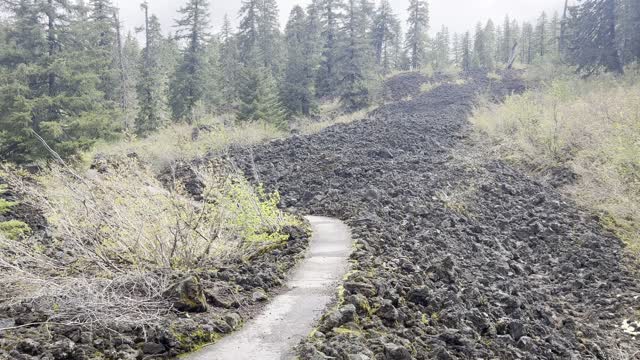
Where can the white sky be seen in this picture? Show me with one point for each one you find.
(459, 15)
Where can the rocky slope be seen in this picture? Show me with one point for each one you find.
(458, 255)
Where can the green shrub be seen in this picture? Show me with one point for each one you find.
(4, 204)
(14, 229)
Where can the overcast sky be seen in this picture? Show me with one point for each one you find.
(459, 15)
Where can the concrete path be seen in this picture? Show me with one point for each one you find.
(291, 316)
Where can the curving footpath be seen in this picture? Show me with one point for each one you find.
(291, 316)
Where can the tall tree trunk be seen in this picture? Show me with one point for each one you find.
(563, 29)
(123, 73)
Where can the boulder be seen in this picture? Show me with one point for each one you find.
(187, 295)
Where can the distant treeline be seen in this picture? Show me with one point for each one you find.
(69, 74)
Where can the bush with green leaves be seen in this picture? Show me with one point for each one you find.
(13, 229)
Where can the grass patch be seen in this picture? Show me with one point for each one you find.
(186, 142)
(591, 126)
(307, 126)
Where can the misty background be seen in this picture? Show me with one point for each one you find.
(458, 15)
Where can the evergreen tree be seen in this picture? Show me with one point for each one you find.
(313, 40)
(248, 36)
(480, 50)
(297, 88)
(542, 35)
(258, 97)
(331, 15)
(212, 96)
(554, 34)
(441, 49)
(455, 49)
(630, 26)
(528, 46)
(49, 83)
(593, 37)
(229, 60)
(355, 60)
(132, 76)
(488, 57)
(151, 90)
(188, 83)
(101, 16)
(416, 39)
(466, 59)
(269, 37)
(497, 56)
(507, 39)
(386, 36)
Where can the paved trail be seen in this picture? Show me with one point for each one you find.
(291, 316)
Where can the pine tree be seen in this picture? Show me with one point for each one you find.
(51, 83)
(542, 35)
(455, 49)
(593, 37)
(467, 60)
(630, 26)
(488, 57)
(297, 87)
(508, 36)
(258, 97)
(188, 83)
(386, 35)
(313, 40)
(151, 89)
(441, 49)
(212, 96)
(269, 37)
(355, 63)
(248, 36)
(416, 39)
(480, 50)
(331, 15)
(131, 58)
(554, 34)
(229, 60)
(101, 16)
(528, 43)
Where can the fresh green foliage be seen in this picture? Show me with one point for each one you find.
(4, 204)
(14, 229)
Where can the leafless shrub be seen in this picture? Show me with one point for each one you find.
(118, 236)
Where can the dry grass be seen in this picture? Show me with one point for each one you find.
(590, 126)
(177, 142)
(307, 126)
